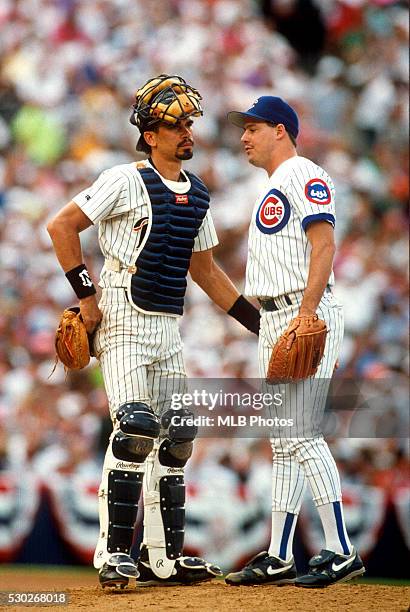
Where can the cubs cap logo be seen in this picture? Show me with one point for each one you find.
(317, 191)
(273, 212)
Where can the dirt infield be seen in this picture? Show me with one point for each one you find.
(84, 594)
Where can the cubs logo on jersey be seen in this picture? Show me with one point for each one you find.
(273, 212)
(317, 191)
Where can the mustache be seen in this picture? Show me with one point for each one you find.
(186, 142)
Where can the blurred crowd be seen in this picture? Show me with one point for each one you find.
(68, 74)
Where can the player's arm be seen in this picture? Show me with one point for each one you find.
(321, 237)
(64, 230)
(216, 284)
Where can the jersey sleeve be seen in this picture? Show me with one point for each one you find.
(106, 197)
(207, 238)
(311, 193)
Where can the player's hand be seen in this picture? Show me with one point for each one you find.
(90, 313)
(303, 312)
(290, 341)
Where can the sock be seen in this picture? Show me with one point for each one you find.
(283, 530)
(334, 527)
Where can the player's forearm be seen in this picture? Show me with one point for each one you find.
(66, 243)
(209, 276)
(64, 232)
(67, 246)
(223, 292)
(218, 287)
(320, 268)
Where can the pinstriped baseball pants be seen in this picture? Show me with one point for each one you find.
(140, 355)
(141, 360)
(299, 459)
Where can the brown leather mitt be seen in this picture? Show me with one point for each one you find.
(72, 341)
(308, 337)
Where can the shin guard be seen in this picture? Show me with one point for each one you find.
(118, 498)
(164, 492)
(164, 514)
(124, 489)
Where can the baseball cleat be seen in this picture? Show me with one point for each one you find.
(117, 571)
(187, 570)
(263, 569)
(329, 567)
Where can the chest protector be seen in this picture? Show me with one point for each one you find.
(159, 284)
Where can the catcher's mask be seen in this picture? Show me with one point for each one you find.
(166, 98)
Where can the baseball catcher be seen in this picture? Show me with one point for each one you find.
(155, 226)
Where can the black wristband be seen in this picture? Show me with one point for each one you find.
(80, 281)
(246, 314)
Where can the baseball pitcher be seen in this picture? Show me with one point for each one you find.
(289, 270)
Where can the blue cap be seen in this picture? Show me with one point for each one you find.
(270, 109)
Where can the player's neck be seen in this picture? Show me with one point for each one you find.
(170, 170)
(278, 158)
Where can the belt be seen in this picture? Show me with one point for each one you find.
(115, 265)
(271, 304)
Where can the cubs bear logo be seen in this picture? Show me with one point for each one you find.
(273, 212)
(317, 191)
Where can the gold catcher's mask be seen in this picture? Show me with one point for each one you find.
(165, 98)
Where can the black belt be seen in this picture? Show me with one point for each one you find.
(270, 305)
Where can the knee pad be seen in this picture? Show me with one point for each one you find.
(138, 428)
(178, 425)
(174, 454)
(177, 447)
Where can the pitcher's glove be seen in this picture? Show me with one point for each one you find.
(72, 341)
(299, 351)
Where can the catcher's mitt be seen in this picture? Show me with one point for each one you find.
(72, 341)
(308, 337)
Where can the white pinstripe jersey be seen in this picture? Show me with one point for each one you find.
(117, 201)
(298, 192)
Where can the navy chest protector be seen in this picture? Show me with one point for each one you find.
(159, 284)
